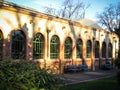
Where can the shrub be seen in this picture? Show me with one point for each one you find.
(117, 64)
(118, 77)
(25, 75)
(117, 60)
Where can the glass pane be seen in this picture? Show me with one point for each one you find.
(104, 50)
(18, 45)
(54, 47)
(96, 49)
(79, 49)
(110, 50)
(89, 47)
(38, 46)
(68, 48)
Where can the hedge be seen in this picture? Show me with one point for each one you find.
(25, 75)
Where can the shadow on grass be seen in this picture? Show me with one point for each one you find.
(102, 84)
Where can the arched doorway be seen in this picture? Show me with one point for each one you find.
(18, 45)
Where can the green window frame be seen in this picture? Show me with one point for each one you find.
(89, 48)
(110, 50)
(96, 49)
(38, 46)
(18, 45)
(68, 48)
(79, 50)
(1, 44)
(54, 47)
(103, 50)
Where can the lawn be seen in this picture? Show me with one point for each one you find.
(101, 84)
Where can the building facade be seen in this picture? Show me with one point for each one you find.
(53, 41)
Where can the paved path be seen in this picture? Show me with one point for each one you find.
(77, 77)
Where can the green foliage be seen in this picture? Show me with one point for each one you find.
(117, 60)
(25, 75)
(118, 77)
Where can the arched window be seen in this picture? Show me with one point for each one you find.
(89, 48)
(110, 50)
(96, 49)
(79, 48)
(104, 50)
(68, 48)
(18, 45)
(54, 47)
(1, 44)
(38, 46)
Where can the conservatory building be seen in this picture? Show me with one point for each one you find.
(26, 34)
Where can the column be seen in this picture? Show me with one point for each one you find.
(93, 55)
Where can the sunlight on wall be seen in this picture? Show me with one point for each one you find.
(10, 17)
(5, 28)
(42, 25)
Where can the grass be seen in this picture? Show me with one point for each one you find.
(101, 84)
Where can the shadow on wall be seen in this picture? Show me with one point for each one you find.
(24, 27)
(72, 30)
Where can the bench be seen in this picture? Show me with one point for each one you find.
(75, 68)
(107, 66)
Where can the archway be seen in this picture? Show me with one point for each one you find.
(18, 45)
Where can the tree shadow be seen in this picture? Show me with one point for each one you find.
(72, 30)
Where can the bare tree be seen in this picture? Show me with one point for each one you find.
(49, 9)
(1, 2)
(110, 17)
(70, 9)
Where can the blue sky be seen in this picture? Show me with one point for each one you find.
(96, 6)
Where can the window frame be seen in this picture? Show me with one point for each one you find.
(68, 48)
(79, 48)
(110, 47)
(104, 49)
(97, 46)
(38, 46)
(18, 45)
(88, 49)
(54, 47)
